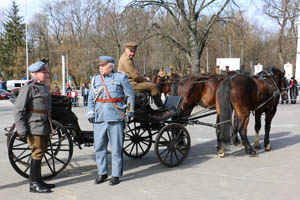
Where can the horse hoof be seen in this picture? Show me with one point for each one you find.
(268, 148)
(237, 143)
(222, 155)
(253, 155)
(257, 146)
(251, 152)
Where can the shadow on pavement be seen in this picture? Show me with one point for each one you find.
(199, 153)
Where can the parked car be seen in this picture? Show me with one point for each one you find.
(11, 84)
(4, 94)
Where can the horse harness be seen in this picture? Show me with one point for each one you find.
(275, 93)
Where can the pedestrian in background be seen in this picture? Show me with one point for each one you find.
(293, 90)
(106, 110)
(85, 94)
(33, 123)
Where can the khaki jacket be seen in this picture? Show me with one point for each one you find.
(161, 74)
(127, 66)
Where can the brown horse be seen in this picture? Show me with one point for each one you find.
(243, 94)
(197, 89)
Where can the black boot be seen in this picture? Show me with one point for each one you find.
(158, 102)
(40, 180)
(34, 185)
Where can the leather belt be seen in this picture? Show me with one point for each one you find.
(45, 112)
(112, 100)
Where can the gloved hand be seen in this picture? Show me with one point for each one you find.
(23, 136)
(91, 120)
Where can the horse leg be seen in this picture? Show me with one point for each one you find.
(257, 127)
(235, 138)
(220, 149)
(268, 121)
(243, 123)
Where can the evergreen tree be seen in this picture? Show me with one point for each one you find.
(12, 44)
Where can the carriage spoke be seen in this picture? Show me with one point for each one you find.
(136, 149)
(176, 155)
(170, 138)
(166, 156)
(55, 158)
(128, 145)
(145, 143)
(162, 152)
(179, 150)
(21, 144)
(171, 157)
(21, 158)
(132, 148)
(141, 147)
(48, 164)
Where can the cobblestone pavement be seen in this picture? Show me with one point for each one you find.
(203, 175)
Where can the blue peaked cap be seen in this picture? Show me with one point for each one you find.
(35, 67)
(107, 59)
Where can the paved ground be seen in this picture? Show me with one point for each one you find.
(203, 175)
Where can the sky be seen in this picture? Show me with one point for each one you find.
(34, 6)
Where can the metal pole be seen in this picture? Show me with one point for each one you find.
(63, 75)
(26, 35)
(297, 68)
(67, 63)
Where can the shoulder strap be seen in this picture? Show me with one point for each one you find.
(106, 90)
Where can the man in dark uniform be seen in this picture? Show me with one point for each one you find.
(106, 109)
(138, 82)
(32, 117)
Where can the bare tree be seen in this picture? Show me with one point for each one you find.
(284, 12)
(186, 15)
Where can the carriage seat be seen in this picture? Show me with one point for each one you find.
(172, 105)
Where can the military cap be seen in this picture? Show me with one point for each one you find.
(103, 60)
(131, 45)
(35, 67)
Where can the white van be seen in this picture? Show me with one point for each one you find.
(14, 84)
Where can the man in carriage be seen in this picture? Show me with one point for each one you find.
(138, 82)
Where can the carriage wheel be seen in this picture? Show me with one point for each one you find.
(172, 144)
(137, 140)
(11, 132)
(57, 156)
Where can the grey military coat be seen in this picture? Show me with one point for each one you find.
(31, 108)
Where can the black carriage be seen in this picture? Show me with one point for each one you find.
(171, 144)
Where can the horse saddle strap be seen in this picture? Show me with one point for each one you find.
(106, 90)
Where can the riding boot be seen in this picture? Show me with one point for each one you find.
(158, 101)
(40, 180)
(34, 185)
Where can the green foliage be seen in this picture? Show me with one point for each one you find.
(12, 42)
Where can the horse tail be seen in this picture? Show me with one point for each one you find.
(225, 112)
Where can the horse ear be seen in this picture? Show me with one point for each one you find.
(283, 73)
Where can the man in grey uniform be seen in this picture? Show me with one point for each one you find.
(106, 110)
(32, 118)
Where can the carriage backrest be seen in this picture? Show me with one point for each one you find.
(175, 101)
